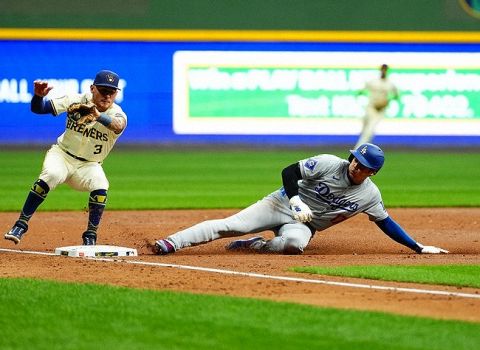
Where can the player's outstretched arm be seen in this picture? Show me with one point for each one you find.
(398, 234)
(40, 104)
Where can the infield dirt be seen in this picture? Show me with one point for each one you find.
(354, 242)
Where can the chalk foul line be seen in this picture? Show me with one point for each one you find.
(270, 277)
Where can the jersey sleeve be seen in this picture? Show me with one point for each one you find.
(376, 211)
(318, 166)
(61, 104)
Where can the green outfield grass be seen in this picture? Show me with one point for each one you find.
(160, 179)
(55, 315)
(451, 275)
(51, 315)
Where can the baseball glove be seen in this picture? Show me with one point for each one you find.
(380, 103)
(82, 113)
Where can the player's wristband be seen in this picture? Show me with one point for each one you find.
(104, 119)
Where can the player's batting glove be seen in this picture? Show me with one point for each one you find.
(301, 211)
(429, 249)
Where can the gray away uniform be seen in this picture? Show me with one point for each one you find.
(324, 187)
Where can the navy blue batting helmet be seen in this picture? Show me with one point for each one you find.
(369, 155)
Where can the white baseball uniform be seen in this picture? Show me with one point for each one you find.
(76, 158)
(380, 91)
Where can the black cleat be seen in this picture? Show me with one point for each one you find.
(17, 231)
(89, 238)
(163, 247)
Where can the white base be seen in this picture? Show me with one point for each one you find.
(95, 251)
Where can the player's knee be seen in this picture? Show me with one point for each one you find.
(96, 182)
(292, 246)
(52, 180)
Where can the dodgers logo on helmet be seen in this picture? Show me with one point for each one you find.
(369, 155)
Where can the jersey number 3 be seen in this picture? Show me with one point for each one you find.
(98, 149)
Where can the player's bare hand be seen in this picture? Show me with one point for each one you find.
(41, 88)
(301, 211)
(430, 249)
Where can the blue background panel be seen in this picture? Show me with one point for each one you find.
(147, 68)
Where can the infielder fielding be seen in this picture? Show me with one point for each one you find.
(317, 193)
(380, 91)
(93, 124)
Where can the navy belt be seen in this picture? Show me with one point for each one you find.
(74, 156)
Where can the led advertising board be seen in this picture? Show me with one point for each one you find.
(309, 93)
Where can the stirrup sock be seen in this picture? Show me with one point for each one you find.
(35, 197)
(96, 205)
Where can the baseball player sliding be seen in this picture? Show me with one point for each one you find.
(93, 124)
(380, 91)
(317, 193)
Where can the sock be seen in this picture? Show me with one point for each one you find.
(96, 205)
(37, 195)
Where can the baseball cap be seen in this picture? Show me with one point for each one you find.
(369, 155)
(107, 78)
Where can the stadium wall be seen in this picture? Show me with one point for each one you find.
(39, 43)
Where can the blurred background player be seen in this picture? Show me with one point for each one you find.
(380, 91)
(317, 193)
(77, 156)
